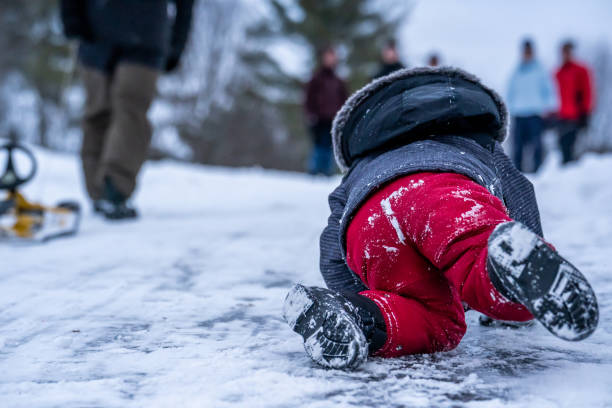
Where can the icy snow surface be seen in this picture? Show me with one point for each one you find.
(183, 308)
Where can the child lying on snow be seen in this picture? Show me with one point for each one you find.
(431, 216)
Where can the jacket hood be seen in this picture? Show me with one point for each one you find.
(414, 104)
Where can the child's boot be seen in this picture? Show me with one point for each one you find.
(339, 330)
(526, 270)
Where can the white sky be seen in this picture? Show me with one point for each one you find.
(483, 36)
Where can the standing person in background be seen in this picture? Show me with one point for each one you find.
(124, 46)
(530, 97)
(390, 59)
(325, 94)
(577, 100)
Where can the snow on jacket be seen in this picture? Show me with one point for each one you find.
(142, 29)
(575, 91)
(531, 91)
(419, 120)
(325, 94)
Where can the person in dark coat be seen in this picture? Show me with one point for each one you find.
(390, 60)
(325, 94)
(577, 100)
(430, 217)
(123, 47)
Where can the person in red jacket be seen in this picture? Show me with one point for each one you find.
(325, 94)
(577, 100)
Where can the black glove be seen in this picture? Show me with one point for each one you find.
(172, 63)
(74, 20)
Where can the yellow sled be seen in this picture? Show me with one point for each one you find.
(21, 219)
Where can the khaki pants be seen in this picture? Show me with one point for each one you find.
(116, 131)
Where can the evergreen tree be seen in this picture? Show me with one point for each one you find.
(31, 34)
(225, 100)
(357, 28)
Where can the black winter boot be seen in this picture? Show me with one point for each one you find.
(338, 330)
(523, 268)
(114, 206)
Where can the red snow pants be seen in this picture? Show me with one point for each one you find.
(420, 245)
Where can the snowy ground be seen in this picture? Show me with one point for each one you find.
(183, 307)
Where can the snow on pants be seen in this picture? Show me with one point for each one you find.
(420, 246)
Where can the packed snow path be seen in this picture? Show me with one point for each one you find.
(182, 308)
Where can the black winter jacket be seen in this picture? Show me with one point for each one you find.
(140, 31)
(412, 121)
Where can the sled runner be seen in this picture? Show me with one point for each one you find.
(22, 220)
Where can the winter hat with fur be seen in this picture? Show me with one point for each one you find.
(367, 102)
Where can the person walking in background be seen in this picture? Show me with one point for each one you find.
(325, 94)
(124, 46)
(530, 97)
(390, 61)
(577, 100)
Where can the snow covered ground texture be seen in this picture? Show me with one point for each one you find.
(182, 308)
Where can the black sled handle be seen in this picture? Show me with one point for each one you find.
(10, 180)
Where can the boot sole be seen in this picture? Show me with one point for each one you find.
(331, 336)
(554, 291)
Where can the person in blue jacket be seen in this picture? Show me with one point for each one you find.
(530, 98)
